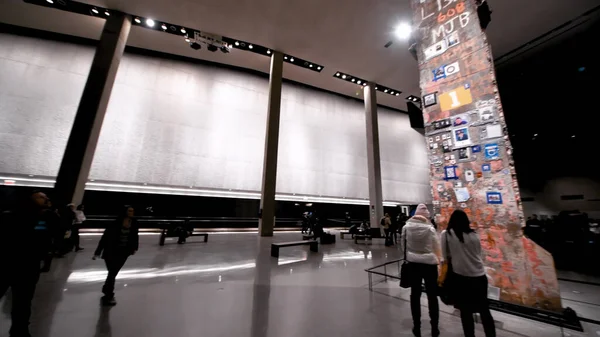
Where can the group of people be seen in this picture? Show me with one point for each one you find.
(43, 230)
(460, 245)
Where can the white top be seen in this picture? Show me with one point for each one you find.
(466, 257)
(422, 241)
(79, 216)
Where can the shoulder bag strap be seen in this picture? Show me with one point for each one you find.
(405, 235)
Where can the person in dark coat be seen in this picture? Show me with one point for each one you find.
(119, 241)
(20, 268)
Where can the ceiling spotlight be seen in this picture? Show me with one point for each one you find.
(285, 57)
(50, 1)
(318, 68)
(359, 82)
(187, 39)
(344, 76)
(385, 90)
(137, 20)
(250, 46)
(392, 92)
(365, 83)
(353, 80)
(150, 22)
(106, 13)
(337, 74)
(310, 65)
(237, 43)
(376, 88)
(397, 94)
(94, 10)
(292, 59)
(164, 27)
(403, 31)
(182, 30)
(535, 135)
(268, 51)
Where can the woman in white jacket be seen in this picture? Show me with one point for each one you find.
(422, 250)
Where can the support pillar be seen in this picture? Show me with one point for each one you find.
(79, 153)
(373, 157)
(267, 198)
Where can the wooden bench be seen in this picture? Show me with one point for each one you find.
(166, 234)
(314, 246)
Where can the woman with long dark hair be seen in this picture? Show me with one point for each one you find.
(119, 241)
(460, 244)
(421, 243)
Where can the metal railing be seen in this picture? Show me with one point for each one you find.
(567, 319)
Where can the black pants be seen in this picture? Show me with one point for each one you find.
(114, 263)
(75, 235)
(22, 278)
(429, 273)
(472, 298)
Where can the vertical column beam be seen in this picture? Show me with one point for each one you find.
(373, 157)
(267, 198)
(79, 153)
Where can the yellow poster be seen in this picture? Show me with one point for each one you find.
(455, 98)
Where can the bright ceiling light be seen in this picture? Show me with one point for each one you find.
(376, 88)
(187, 39)
(183, 30)
(353, 80)
(285, 57)
(337, 74)
(237, 43)
(106, 13)
(385, 90)
(268, 51)
(250, 46)
(344, 76)
(359, 82)
(150, 22)
(403, 31)
(50, 1)
(164, 27)
(292, 59)
(318, 68)
(137, 20)
(397, 94)
(310, 65)
(364, 84)
(94, 10)
(392, 92)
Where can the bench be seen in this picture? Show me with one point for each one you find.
(344, 233)
(362, 237)
(314, 246)
(170, 234)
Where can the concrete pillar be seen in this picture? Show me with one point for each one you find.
(373, 158)
(267, 198)
(79, 153)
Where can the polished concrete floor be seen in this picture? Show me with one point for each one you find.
(231, 286)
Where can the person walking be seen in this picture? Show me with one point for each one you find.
(119, 241)
(37, 225)
(422, 248)
(79, 220)
(460, 244)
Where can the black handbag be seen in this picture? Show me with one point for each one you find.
(446, 289)
(405, 272)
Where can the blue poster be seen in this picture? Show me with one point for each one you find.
(450, 172)
(486, 167)
(439, 73)
(493, 197)
(476, 148)
(492, 151)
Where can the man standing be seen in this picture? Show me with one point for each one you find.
(37, 225)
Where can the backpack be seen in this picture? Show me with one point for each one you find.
(382, 221)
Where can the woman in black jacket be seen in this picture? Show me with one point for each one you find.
(119, 241)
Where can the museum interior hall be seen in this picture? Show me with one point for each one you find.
(274, 168)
